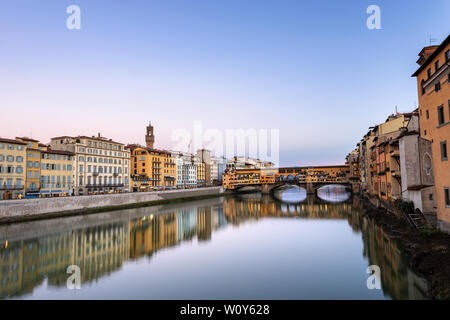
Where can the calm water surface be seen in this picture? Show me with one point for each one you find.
(290, 246)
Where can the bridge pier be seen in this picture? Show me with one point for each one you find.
(310, 188)
(265, 189)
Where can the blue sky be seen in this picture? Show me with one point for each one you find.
(309, 68)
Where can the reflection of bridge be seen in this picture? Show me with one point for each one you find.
(266, 180)
(237, 210)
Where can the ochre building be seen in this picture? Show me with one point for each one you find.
(433, 83)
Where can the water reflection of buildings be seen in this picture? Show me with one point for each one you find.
(398, 280)
(100, 250)
(237, 210)
(149, 234)
(26, 263)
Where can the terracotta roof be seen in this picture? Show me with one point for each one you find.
(27, 139)
(102, 139)
(67, 153)
(135, 146)
(432, 56)
(12, 141)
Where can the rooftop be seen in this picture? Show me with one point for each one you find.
(432, 56)
(12, 141)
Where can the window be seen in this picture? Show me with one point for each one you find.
(447, 55)
(429, 73)
(444, 155)
(437, 87)
(441, 118)
(19, 169)
(436, 65)
(10, 158)
(447, 197)
(428, 114)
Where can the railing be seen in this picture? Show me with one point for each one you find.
(11, 188)
(104, 185)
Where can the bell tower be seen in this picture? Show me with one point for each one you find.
(150, 137)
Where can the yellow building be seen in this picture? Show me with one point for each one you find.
(152, 169)
(33, 166)
(56, 173)
(48, 172)
(12, 168)
(433, 83)
(201, 173)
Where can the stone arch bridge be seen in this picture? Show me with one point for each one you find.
(267, 180)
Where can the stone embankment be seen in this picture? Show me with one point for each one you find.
(34, 209)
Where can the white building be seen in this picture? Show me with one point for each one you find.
(218, 166)
(101, 165)
(237, 163)
(186, 169)
(416, 167)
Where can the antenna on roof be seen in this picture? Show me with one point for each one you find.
(432, 40)
(396, 111)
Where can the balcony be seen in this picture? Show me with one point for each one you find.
(395, 153)
(396, 173)
(95, 173)
(104, 185)
(11, 187)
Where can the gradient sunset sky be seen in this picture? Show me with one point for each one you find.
(309, 68)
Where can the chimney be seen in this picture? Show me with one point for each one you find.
(425, 54)
(99, 135)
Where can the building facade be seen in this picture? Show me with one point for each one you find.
(416, 166)
(12, 168)
(433, 83)
(56, 173)
(101, 165)
(186, 169)
(152, 169)
(33, 167)
(204, 167)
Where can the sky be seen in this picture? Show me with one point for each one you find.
(310, 69)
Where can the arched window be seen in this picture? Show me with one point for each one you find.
(427, 163)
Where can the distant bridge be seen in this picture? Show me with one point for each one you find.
(267, 180)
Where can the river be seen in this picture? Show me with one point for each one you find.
(249, 246)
